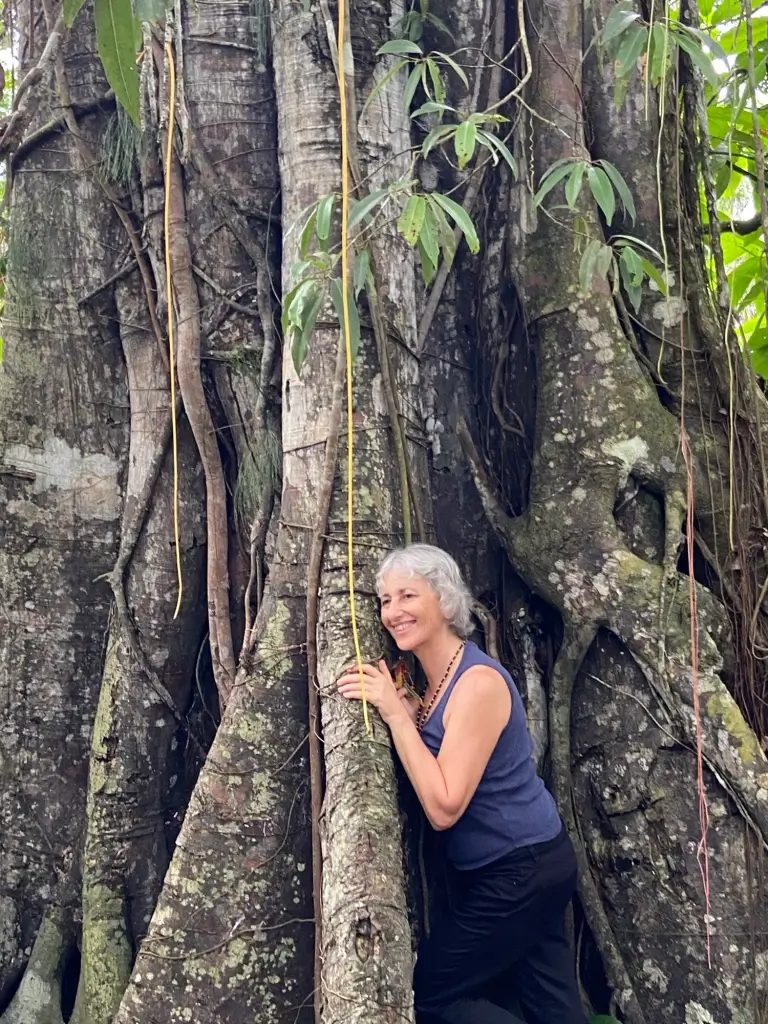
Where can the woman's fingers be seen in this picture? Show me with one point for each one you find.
(354, 677)
(384, 669)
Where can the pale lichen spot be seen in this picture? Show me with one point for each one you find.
(655, 975)
(90, 479)
(695, 1013)
(670, 311)
(587, 322)
(377, 396)
(629, 451)
(578, 494)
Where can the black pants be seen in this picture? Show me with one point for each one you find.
(505, 938)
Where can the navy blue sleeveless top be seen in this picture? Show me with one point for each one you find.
(511, 806)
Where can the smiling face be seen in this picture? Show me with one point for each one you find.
(410, 610)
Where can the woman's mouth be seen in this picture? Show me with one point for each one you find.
(402, 627)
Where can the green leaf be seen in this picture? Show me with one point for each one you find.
(743, 277)
(631, 266)
(446, 236)
(438, 134)
(363, 208)
(632, 46)
(410, 86)
(587, 265)
(307, 232)
(412, 218)
(655, 275)
(661, 51)
(459, 71)
(354, 316)
(117, 30)
(551, 178)
(621, 187)
(604, 260)
(428, 268)
(461, 218)
(495, 145)
(438, 85)
(699, 59)
(382, 82)
(70, 10)
(722, 179)
(464, 142)
(293, 303)
(602, 190)
(415, 26)
(573, 184)
(428, 236)
(621, 240)
(399, 47)
(293, 319)
(439, 24)
(430, 107)
(360, 272)
(322, 261)
(324, 215)
(621, 17)
(706, 40)
(760, 361)
(2, 346)
(303, 332)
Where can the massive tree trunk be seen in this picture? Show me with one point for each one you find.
(63, 451)
(176, 847)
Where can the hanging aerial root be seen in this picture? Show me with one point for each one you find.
(200, 420)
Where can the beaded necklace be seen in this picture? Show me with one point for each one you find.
(423, 712)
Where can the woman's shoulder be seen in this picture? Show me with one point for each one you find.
(484, 678)
(477, 658)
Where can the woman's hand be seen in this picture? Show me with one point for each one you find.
(380, 690)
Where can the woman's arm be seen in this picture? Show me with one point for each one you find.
(477, 711)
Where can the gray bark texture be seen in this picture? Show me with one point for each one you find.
(63, 453)
(194, 826)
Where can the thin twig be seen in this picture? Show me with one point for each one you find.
(237, 306)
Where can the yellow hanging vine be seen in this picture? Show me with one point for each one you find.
(348, 340)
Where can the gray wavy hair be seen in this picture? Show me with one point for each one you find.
(442, 574)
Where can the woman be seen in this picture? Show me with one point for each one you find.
(467, 752)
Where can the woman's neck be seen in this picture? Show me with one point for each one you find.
(435, 656)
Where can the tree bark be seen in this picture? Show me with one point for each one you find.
(366, 947)
(63, 447)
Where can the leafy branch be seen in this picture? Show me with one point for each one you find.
(423, 220)
(619, 260)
